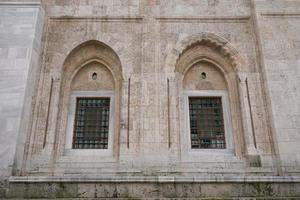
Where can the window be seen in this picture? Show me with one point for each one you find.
(206, 123)
(91, 123)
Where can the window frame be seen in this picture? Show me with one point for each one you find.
(229, 148)
(71, 121)
(87, 109)
(203, 126)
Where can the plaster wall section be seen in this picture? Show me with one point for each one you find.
(279, 27)
(20, 33)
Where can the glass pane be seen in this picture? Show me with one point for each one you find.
(206, 123)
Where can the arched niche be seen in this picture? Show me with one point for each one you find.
(90, 51)
(208, 39)
(92, 69)
(92, 77)
(204, 76)
(220, 68)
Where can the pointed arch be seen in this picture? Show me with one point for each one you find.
(84, 60)
(93, 50)
(210, 48)
(211, 40)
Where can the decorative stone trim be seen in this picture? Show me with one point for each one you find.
(209, 39)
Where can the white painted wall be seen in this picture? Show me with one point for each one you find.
(20, 39)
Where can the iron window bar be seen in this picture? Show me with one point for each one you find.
(206, 123)
(91, 127)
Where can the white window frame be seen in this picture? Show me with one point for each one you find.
(229, 148)
(69, 151)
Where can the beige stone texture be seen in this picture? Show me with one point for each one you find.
(137, 54)
(204, 76)
(148, 55)
(84, 81)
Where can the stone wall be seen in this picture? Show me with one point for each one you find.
(157, 189)
(20, 33)
(278, 27)
(148, 45)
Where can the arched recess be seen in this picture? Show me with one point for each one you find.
(92, 50)
(218, 57)
(77, 75)
(209, 39)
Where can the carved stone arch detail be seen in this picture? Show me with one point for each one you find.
(207, 39)
(208, 47)
(93, 50)
(82, 56)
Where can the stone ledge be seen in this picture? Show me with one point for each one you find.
(280, 14)
(243, 18)
(184, 198)
(98, 18)
(161, 187)
(19, 4)
(154, 179)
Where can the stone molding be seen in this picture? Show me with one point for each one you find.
(281, 14)
(19, 4)
(98, 18)
(209, 39)
(155, 179)
(236, 19)
(214, 40)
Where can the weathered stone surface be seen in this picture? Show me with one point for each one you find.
(151, 55)
(154, 190)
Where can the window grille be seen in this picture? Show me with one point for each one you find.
(206, 123)
(91, 123)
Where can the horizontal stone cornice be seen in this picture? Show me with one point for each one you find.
(237, 19)
(19, 4)
(155, 179)
(96, 18)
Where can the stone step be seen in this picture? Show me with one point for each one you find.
(155, 187)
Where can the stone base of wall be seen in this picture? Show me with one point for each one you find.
(153, 187)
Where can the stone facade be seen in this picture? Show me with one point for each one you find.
(149, 56)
